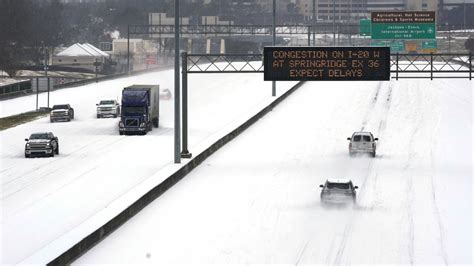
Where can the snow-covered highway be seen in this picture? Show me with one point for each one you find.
(44, 198)
(257, 199)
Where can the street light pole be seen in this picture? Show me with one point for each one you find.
(274, 41)
(46, 70)
(334, 21)
(177, 98)
(314, 22)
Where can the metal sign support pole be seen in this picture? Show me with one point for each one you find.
(274, 41)
(184, 78)
(396, 68)
(470, 66)
(334, 22)
(128, 50)
(314, 22)
(177, 97)
(431, 60)
(37, 93)
(46, 72)
(309, 35)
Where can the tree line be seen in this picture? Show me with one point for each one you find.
(30, 29)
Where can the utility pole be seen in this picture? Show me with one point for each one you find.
(177, 98)
(334, 21)
(314, 22)
(274, 41)
(46, 69)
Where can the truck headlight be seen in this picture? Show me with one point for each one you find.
(142, 124)
(48, 145)
(27, 145)
(120, 124)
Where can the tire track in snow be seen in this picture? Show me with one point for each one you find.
(50, 171)
(103, 147)
(371, 166)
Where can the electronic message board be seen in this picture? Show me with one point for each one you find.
(326, 63)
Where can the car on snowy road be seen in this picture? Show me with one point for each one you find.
(338, 192)
(362, 142)
(165, 94)
(61, 112)
(41, 144)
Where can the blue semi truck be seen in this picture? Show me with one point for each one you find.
(140, 109)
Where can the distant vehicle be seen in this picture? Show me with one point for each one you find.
(108, 108)
(338, 192)
(140, 109)
(41, 144)
(165, 94)
(61, 112)
(362, 142)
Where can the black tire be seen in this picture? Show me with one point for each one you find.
(52, 154)
(27, 156)
(373, 154)
(98, 116)
(51, 120)
(57, 149)
(120, 133)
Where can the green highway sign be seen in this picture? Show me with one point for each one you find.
(429, 44)
(365, 27)
(403, 31)
(395, 46)
(403, 25)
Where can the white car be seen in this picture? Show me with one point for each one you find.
(108, 108)
(362, 142)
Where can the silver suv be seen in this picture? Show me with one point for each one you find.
(362, 142)
(338, 192)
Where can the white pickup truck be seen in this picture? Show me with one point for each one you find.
(108, 108)
(362, 142)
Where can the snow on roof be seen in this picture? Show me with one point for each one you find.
(95, 49)
(85, 49)
(10, 81)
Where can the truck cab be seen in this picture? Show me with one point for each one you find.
(140, 109)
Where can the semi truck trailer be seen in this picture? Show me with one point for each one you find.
(140, 109)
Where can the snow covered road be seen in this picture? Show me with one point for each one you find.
(44, 198)
(257, 199)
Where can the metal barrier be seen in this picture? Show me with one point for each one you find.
(402, 65)
(431, 66)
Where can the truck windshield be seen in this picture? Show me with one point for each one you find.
(62, 106)
(39, 136)
(133, 110)
(107, 102)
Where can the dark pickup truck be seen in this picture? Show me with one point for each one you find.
(61, 112)
(41, 144)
